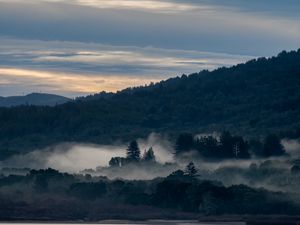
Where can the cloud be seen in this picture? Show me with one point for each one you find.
(163, 148)
(210, 26)
(144, 60)
(147, 5)
(157, 6)
(288, 8)
(277, 8)
(74, 68)
(292, 146)
(69, 84)
(136, 38)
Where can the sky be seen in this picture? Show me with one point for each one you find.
(79, 47)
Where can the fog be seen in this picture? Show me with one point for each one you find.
(292, 147)
(75, 157)
(271, 173)
(162, 146)
(67, 157)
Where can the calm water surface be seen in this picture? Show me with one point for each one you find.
(160, 222)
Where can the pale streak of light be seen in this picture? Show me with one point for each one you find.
(81, 83)
(156, 6)
(150, 5)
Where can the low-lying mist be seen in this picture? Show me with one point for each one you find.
(67, 157)
(75, 157)
(277, 173)
(292, 147)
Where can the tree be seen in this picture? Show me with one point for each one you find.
(149, 155)
(114, 162)
(184, 143)
(207, 146)
(256, 147)
(209, 204)
(133, 152)
(240, 148)
(272, 146)
(227, 144)
(117, 161)
(191, 170)
(233, 146)
(176, 174)
(295, 169)
(41, 183)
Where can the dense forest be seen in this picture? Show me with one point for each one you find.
(216, 159)
(254, 99)
(188, 191)
(51, 195)
(207, 148)
(229, 146)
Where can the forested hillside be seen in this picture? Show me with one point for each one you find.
(259, 97)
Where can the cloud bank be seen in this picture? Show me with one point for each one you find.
(235, 27)
(75, 157)
(74, 68)
(142, 40)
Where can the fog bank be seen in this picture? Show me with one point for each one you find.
(75, 157)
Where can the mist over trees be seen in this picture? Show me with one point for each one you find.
(253, 99)
(149, 155)
(272, 146)
(189, 189)
(133, 156)
(228, 146)
(258, 102)
(191, 170)
(208, 147)
(62, 196)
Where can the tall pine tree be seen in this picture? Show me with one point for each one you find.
(133, 152)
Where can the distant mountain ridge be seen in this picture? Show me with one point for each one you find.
(38, 99)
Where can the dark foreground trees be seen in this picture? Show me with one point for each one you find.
(70, 197)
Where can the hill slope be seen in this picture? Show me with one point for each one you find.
(259, 97)
(33, 99)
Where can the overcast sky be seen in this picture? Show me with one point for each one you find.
(78, 47)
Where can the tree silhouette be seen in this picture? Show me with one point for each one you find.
(184, 143)
(227, 145)
(240, 148)
(117, 161)
(272, 146)
(149, 155)
(133, 152)
(191, 170)
(177, 173)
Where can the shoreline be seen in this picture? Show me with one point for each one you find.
(213, 220)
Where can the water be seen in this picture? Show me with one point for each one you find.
(152, 222)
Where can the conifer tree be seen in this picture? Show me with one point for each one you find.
(133, 152)
(191, 170)
(149, 155)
